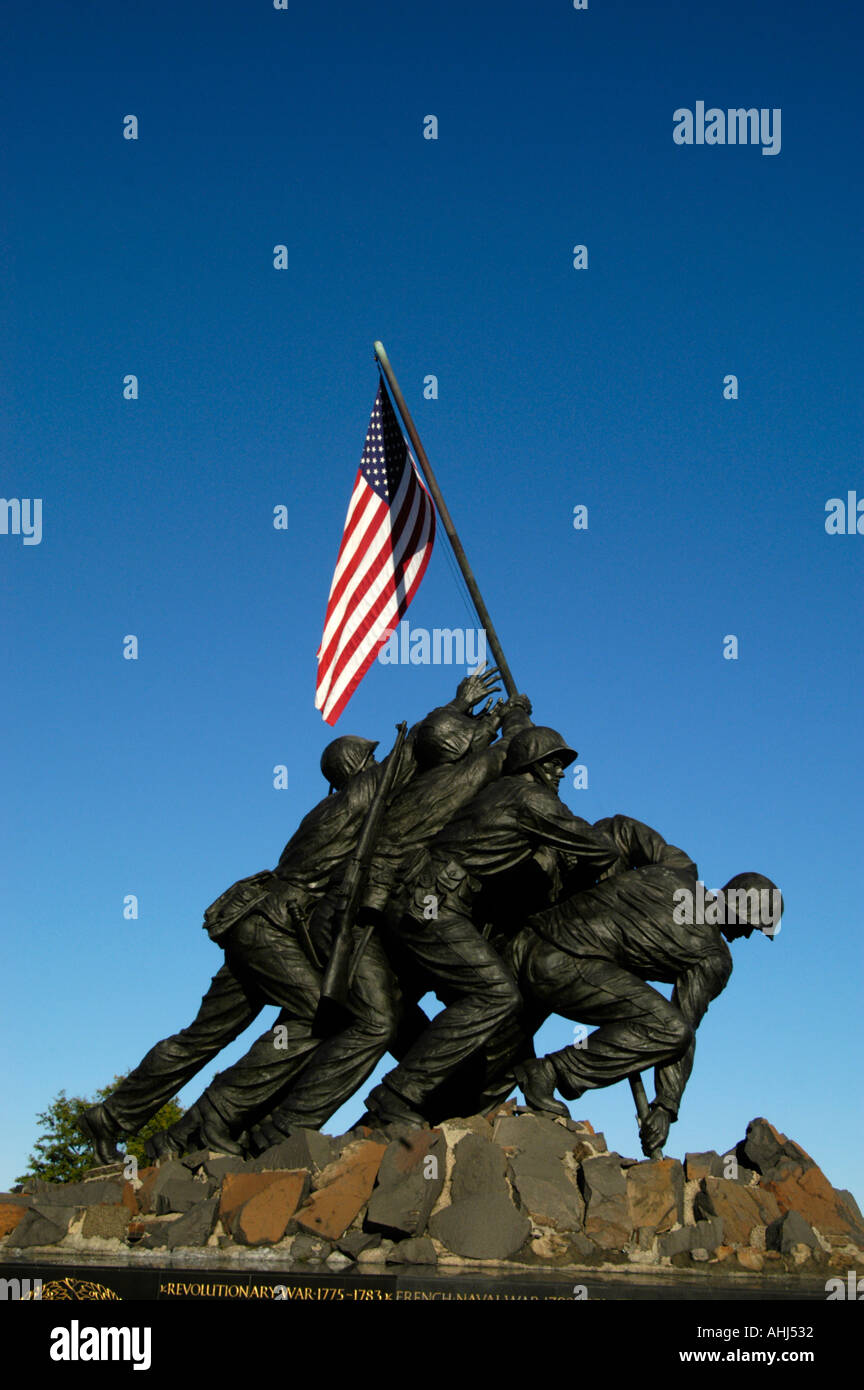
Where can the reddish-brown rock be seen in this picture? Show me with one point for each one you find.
(808, 1192)
(264, 1219)
(799, 1185)
(147, 1177)
(240, 1188)
(12, 1209)
(655, 1191)
(703, 1165)
(740, 1208)
(349, 1183)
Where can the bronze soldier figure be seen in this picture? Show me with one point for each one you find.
(590, 959)
(262, 925)
(502, 826)
(455, 765)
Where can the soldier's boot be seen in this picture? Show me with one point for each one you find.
(267, 1133)
(213, 1129)
(103, 1132)
(536, 1076)
(160, 1147)
(177, 1139)
(387, 1107)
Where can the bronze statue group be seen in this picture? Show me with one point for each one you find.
(480, 886)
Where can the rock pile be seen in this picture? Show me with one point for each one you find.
(511, 1186)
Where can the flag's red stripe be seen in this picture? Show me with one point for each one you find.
(390, 592)
(352, 686)
(376, 564)
(390, 549)
(375, 518)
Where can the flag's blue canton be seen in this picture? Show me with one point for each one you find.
(384, 452)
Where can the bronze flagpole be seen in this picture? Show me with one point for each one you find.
(636, 1085)
(446, 521)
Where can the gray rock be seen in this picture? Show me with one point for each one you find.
(734, 1169)
(182, 1194)
(582, 1246)
(589, 1146)
(790, 1230)
(482, 1221)
(539, 1174)
(217, 1168)
(304, 1148)
(311, 1249)
(195, 1160)
(771, 1153)
(846, 1195)
(172, 1171)
(479, 1169)
(602, 1177)
(481, 1228)
(42, 1228)
(607, 1209)
(194, 1228)
(418, 1251)
(353, 1242)
(704, 1235)
(74, 1194)
(404, 1197)
(556, 1203)
(537, 1137)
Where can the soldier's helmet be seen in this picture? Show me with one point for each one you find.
(535, 745)
(755, 901)
(443, 737)
(345, 756)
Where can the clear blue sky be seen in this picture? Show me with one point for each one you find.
(603, 386)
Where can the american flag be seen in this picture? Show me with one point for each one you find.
(386, 544)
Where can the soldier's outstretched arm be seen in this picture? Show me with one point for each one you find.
(562, 830)
(641, 845)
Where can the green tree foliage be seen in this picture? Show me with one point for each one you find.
(62, 1153)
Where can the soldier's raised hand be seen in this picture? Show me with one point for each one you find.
(477, 687)
(492, 713)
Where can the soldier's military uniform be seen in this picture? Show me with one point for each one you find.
(261, 922)
(379, 994)
(496, 831)
(590, 957)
